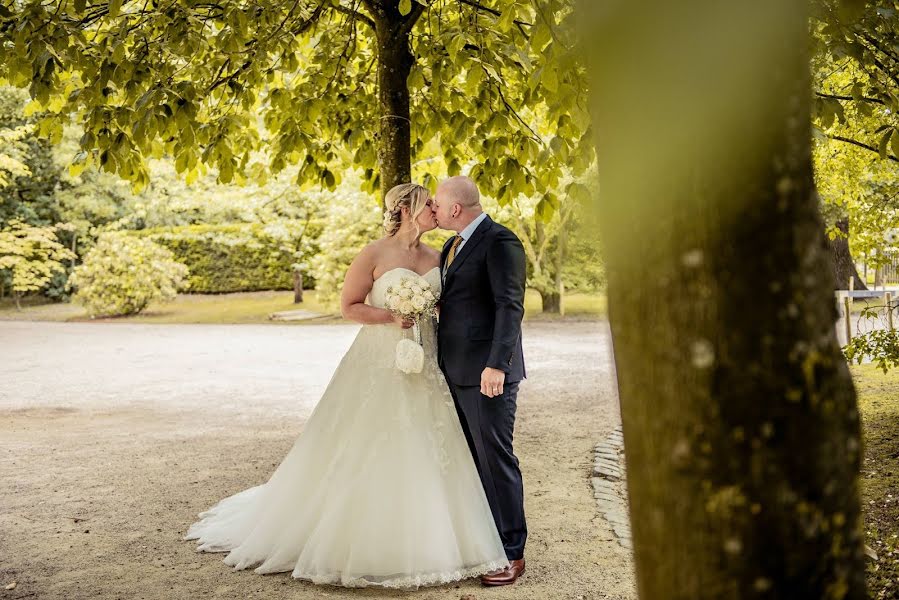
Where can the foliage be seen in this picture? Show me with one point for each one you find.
(210, 84)
(31, 255)
(231, 258)
(11, 154)
(854, 182)
(857, 67)
(31, 175)
(880, 345)
(122, 274)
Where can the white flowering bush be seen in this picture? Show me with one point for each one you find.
(353, 220)
(122, 274)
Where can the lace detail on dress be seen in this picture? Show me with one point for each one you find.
(405, 582)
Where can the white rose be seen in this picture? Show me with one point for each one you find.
(416, 288)
(405, 293)
(419, 302)
(393, 302)
(406, 307)
(428, 295)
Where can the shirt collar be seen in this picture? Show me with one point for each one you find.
(466, 233)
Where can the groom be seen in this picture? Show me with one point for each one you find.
(479, 351)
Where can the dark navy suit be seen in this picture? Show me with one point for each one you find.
(481, 308)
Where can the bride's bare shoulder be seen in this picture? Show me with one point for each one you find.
(372, 250)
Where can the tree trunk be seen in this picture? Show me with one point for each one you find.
(551, 301)
(560, 263)
(843, 265)
(18, 297)
(394, 64)
(740, 422)
(297, 286)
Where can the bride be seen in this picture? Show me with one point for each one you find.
(380, 489)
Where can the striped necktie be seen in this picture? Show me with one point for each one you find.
(452, 253)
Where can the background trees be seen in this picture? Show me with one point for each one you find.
(856, 87)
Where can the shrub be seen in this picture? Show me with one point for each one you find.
(31, 256)
(122, 274)
(239, 257)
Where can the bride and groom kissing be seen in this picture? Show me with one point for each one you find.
(404, 479)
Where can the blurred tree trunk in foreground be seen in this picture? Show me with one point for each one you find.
(740, 418)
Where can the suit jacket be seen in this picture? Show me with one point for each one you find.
(482, 305)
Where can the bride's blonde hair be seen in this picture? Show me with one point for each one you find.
(410, 195)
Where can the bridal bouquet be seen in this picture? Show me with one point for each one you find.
(411, 298)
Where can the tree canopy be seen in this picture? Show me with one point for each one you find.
(249, 88)
(857, 73)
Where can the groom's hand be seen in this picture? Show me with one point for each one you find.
(492, 381)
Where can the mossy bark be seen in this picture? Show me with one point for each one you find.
(740, 420)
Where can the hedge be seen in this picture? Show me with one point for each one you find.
(236, 257)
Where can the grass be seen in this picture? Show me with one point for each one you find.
(859, 304)
(577, 306)
(238, 308)
(255, 307)
(878, 397)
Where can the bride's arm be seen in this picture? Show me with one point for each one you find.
(356, 286)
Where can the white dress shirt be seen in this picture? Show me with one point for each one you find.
(466, 233)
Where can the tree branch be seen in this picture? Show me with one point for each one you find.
(863, 98)
(493, 12)
(840, 138)
(890, 74)
(355, 14)
(412, 17)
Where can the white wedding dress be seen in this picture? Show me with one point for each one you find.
(379, 489)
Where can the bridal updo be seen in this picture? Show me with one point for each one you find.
(408, 195)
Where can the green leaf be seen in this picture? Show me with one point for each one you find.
(550, 80)
(884, 144)
(405, 7)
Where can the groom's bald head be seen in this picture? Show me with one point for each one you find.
(456, 203)
(460, 190)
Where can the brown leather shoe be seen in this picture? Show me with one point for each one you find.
(507, 576)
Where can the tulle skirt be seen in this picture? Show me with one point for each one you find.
(379, 489)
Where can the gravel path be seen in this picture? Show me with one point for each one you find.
(113, 436)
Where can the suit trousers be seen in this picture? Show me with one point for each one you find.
(488, 424)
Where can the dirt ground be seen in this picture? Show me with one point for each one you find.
(114, 436)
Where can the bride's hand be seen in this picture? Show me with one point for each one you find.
(404, 322)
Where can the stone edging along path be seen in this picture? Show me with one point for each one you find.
(610, 486)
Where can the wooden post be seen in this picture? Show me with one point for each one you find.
(846, 302)
(851, 289)
(889, 299)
